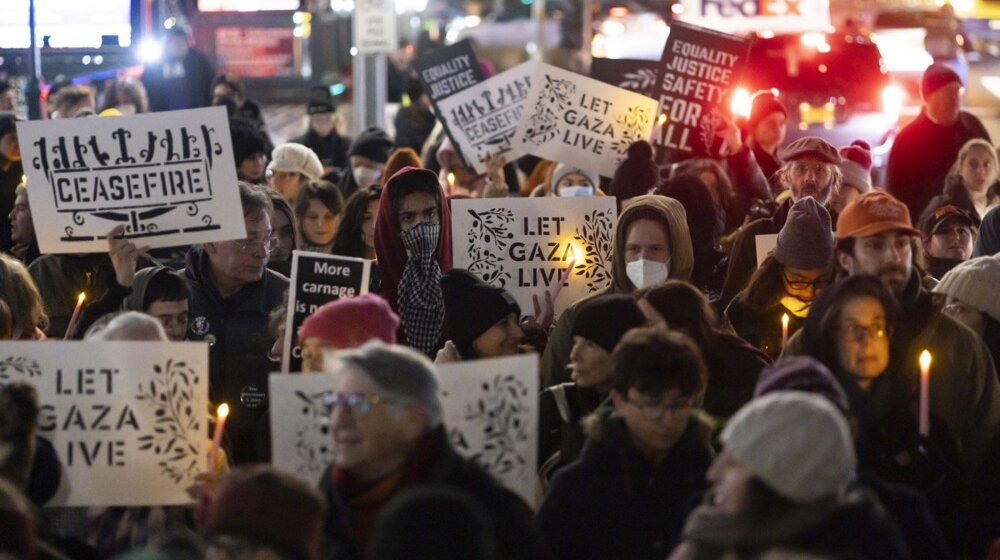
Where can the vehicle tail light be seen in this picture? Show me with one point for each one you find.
(892, 100)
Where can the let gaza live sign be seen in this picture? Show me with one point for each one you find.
(168, 177)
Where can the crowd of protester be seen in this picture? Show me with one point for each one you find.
(702, 406)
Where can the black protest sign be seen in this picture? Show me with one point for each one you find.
(697, 72)
(128, 420)
(627, 73)
(168, 177)
(318, 278)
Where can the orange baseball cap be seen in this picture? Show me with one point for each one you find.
(874, 213)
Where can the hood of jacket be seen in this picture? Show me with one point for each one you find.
(672, 215)
(135, 301)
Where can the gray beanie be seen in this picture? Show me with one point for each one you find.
(806, 240)
(796, 442)
(972, 282)
(561, 170)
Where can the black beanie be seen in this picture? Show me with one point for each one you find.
(373, 144)
(8, 122)
(637, 174)
(604, 320)
(247, 140)
(935, 77)
(472, 306)
(320, 101)
(762, 104)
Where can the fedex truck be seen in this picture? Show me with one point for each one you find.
(741, 17)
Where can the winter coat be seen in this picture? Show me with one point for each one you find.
(964, 390)
(743, 257)
(119, 297)
(10, 177)
(239, 337)
(769, 166)
(988, 240)
(849, 527)
(331, 150)
(955, 194)
(908, 509)
(348, 527)
(750, 180)
(616, 503)
(733, 368)
(761, 328)
(556, 355)
(922, 155)
(168, 92)
(561, 408)
(61, 278)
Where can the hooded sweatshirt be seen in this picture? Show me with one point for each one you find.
(672, 215)
(119, 297)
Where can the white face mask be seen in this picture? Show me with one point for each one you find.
(366, 176)
(644, 273)
(576, 190)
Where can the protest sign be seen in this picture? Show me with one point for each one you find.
(482, 119)
(765, 243)
(490, 410)
(445, 72)
(698, 69)
(128, 420)
(375, 29)
(301, 441)
(168, 177)
(318, 278)
(527, 245)
(580, 121)
(627, 73)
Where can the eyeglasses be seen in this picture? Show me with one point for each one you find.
(818, 169)
(859, 333)
(677, 410)
(248, 245)
(817, 284)
(358, 404)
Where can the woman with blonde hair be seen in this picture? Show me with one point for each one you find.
(18, 290)
(972, 182)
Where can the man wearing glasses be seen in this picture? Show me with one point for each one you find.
(875, 237)
(232, 296)
(811, 168)
(388, 438)
(628, 494)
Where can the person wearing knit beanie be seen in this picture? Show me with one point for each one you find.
(261, 508)
(937, 76)
(636, 175)
(567, 180)
(345, 323)
(806, 240)
(292, 165)
(971, 300)
(600, 324)
(856, 168)
(366, 158)
(249, 150)
(765, 130)
(802, 373)
(480, 320)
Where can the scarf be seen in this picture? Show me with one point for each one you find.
(421, 302)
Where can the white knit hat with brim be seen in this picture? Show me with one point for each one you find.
(972, 282)
(296, 158)
(796, 442)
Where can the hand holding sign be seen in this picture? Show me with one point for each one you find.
(124, 256)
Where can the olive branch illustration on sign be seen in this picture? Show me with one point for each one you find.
(500, 416)
(176, 429)
(642, 80)
(544, 122)
(489, 235)
(633, 122)
(21, 365)
(314, 417)
(595, 238)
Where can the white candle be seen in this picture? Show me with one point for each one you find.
(925, 391)
(784, 329)
(220, 422)
(76, 315)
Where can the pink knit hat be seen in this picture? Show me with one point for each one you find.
(350, 322)
(856, 165)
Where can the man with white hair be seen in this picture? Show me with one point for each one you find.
(388, 437)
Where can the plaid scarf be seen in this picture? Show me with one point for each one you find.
(420, 301)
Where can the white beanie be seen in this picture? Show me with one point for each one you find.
(296, 158)
(972, 282)
(561, 170)
(797, 443)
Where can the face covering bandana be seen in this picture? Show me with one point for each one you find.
(576, 190)
(795, 305)
(366, 176)
(644, 273)
(422, 239)
(421, 302)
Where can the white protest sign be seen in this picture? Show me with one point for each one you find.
(765, 243)
(128, 420)
(375, 26)
(491, 414)
(581, 121)
(168, 177)
(301, 441)
(526, 245)
(482, 119)
(318, 278)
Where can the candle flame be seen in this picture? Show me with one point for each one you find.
(784, 319)
(572, 255)
(925, 360)
(451, 178)
(662, 119)
(222, 411)
(80, 298)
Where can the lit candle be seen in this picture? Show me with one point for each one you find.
(556, 286)
(451, 183)
(76, 315)
(784, 329)
(220, 422)
(925, 393)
